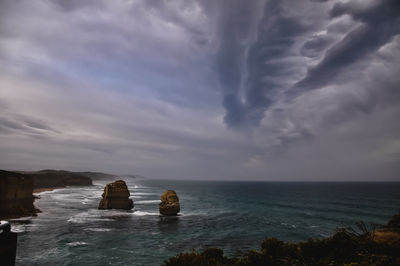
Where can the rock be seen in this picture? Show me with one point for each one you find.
(116, 196)
(16, 199)
(169, 203)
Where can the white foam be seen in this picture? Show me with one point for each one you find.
(192, 214)
(147, 201)
(86, 217)
(113, 213)
(77, 243)
(79, 220)
(66, 197)
(22, 219)
(143, 193)
(99, 184)
(141, 213)
(98, 229)
(19, 228)
(50, 191)
(86, 201)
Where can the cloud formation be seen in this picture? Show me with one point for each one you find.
(376, 29)
(264, 89)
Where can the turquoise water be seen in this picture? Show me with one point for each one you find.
(230, 215)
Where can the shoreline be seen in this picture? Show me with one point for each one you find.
(40, 190)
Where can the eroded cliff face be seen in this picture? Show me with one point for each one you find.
(16, 199)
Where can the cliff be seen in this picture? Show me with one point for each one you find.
(58, 178)
(16, 197)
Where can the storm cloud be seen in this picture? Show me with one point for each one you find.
(201, 89)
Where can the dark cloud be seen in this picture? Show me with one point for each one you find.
(316, 44)
(37, 125)
(341, 25)
(376, 29)
(24, 125)
(237, 20)
(276, 33)
(6, 125)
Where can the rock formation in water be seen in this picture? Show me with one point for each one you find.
(116, 196)
(16, 199)
(169, 203)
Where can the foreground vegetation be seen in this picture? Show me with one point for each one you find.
(348, 246)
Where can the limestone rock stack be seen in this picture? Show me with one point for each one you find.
(169, 203)
(116, 196)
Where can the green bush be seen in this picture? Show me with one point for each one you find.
(348, 246)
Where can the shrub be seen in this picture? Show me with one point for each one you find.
(348, 246)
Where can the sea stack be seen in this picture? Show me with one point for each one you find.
(169, 203)
(116, 196)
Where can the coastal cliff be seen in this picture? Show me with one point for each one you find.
(59, 178)
(16, 188)
(16, 197)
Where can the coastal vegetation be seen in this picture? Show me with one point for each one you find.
(359, 245)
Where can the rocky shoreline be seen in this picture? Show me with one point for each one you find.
(17, 188)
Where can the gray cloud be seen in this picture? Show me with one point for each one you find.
(376, 29)
(249, 91)
(315, 45)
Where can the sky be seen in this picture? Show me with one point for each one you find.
(278, 90)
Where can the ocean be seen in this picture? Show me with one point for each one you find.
(234, 216)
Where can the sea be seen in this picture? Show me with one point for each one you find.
(233, 216)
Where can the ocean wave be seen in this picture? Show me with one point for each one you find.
(77, 243)
(86, 201)
(142, 213)
(56, 190)
(86, 217)
(20, 228)
(73, 197)
(147, 201)
(98, 229)
(81, 220)
(144, 193)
